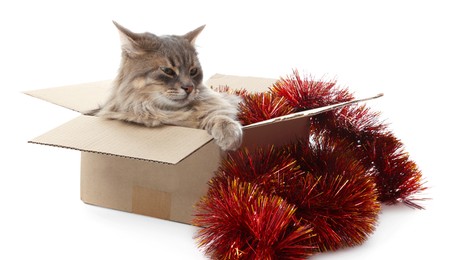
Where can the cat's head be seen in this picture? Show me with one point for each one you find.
(162, 69)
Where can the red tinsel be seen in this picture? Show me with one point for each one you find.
(397, 177)
(307, 93)
(262, 106)
(311, 196)
(338, 196)
(243, 222)
(336, 199)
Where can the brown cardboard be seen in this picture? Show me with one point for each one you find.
(280, 133)
(157, 172)
(112, 137)
(148, 188)
(80, 97)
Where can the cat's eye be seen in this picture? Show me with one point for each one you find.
(168, 71)
(193, 72)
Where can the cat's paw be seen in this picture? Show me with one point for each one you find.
(227, 133)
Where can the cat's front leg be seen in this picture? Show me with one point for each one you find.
(226, 132)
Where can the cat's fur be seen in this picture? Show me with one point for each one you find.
(160, 82)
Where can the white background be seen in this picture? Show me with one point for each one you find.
(405, 49)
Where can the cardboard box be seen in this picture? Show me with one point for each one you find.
(158, 172)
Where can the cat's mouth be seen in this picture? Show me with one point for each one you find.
(181, 99)
(182, 94)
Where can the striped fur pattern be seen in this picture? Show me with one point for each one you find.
(160, 83)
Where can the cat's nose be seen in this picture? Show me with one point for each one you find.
(188, 88)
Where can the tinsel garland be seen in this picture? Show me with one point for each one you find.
(243, 222)
(313, 195)
(262, 106)
(398, 178)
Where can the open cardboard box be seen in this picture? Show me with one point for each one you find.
(160, 172)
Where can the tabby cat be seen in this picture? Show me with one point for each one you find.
(160, 83)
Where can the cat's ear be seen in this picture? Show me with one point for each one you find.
(129, 40)
(191, 36)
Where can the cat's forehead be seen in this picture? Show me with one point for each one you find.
(177, 43)
(178, 50)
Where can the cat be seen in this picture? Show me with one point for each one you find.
(159, 82)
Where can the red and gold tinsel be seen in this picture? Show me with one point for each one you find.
(398, 178)
(313, 195)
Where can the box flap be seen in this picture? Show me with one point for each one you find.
(278, 134)
(310, 112)
(80, 97)
(166, 144)
(240, 82)
(88, 96)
